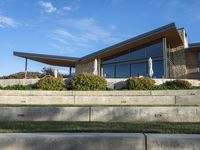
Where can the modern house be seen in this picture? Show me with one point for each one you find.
(172, 55)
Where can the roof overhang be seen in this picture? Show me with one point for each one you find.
(169, 32)
(49, 59)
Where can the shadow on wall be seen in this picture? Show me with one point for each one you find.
(44, 114)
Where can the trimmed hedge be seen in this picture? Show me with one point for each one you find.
(135, 83)
(86, 81)
(178, 84)
(51, 83)
(17, 87)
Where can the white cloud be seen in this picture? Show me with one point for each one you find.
(7, 22)
(67, 8)
(47, 6)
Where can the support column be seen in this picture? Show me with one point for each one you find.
(26, 63)
(70, 71)
(165, 59)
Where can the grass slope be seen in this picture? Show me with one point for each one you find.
(134, 127)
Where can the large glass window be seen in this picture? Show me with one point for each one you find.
(122, 71)
(135, 63)
(117, 59)
(108, 71)
(155, 50)
(139, 69)
(158, 69)
(139, 54)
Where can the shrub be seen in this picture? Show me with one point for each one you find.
(17, 87)
(135, 83)
(51, 83)
(178, 84)
(86, 81)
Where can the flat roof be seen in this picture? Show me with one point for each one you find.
(168, 31)
(49, 59)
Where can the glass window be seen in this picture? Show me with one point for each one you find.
(138, 54)
(139, 69)
(108, 71)
(117, 59)
(198, 57)
(158, 69)
(123, 71)
(155, 50)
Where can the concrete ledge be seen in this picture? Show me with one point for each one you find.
(44, 114)
(164, 114)
(173, 142)
(188, 100)
(102, 114)
(125, 100)
(37, 100)
(72, 141)
(98, 141)
(175, 92)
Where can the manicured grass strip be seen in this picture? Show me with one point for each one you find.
(144, 127)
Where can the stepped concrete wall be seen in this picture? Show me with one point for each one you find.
(165, 97)
(98, 141)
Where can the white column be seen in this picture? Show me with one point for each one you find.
(95, 67)
(55, 73)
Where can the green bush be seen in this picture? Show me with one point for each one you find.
(17, 87)
(178, 84)
(86, 81)
(135, 83)
(51, 83)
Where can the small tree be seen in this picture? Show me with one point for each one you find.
(48, 71)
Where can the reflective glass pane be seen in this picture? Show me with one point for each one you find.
(117, 59)
(138, 54)
(155, 50)
(158, 69)
(123, 71)
(108, 71)
(139, 69)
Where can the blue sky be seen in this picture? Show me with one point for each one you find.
(79, 27)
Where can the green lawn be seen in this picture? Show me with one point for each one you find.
(144, 127)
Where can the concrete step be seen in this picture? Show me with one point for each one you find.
(98, 141)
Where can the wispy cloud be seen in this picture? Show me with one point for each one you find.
(47, 6)
(50, 8)
(7, 22)
(67, 8)
(82, 34)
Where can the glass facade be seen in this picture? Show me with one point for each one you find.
(135, 63)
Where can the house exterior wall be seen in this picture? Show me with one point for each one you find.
(192, 64)
(178, 66)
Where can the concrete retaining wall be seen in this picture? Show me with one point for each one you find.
(167, 97)
(103, 114)
(98, 141)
